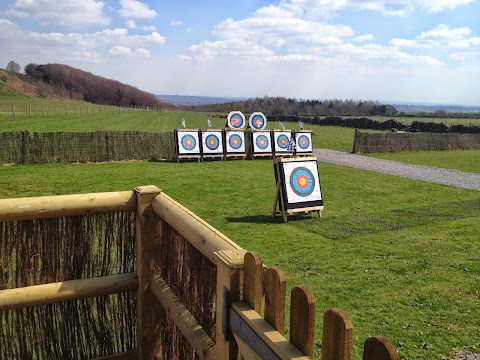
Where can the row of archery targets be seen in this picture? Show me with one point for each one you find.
(296, 170)
(235, 142)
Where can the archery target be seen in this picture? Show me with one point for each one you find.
(303, 142)
(188, 142)
(261, 142)
(212, 142)
(235, 142)
(257, 121)
(236, 120)
(302, 182)
(281, 140)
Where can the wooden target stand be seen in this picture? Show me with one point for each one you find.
(289, 200)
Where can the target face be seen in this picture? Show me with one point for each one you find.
(212, 142)
(281, 140)
(235, 141)
(261, 142)
(302, 181)
(304, 142)
(236, 120)
(188, 142)
(257, 121)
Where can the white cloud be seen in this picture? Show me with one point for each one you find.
(176, 23)
(136, 9)
(71, 13)
(232, 48)
(131, 24)
(321, 8)
(363, 38)
(442, 37)
(125, 51)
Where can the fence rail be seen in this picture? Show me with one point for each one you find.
(368, 143)
(184, 299)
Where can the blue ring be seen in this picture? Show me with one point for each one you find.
(232, 144)
(207, 142)
(280, 145)
(184, 142)
(262, 124)
(302, 171)
(299, 142)
(260, 146)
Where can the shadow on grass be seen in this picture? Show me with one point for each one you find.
(267, 219)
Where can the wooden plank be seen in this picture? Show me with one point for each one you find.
(337, 335)
(148, 308)
(51, 293)
(204, 237)
(253, 281)
(379, 348)
(302, 320)
(275, 290)
(262, 337)
(184, 320)
(65, 205)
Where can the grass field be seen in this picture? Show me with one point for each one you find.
(401, 257)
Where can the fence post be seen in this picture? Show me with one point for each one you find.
(23, 155)
(379, 348)
(302, 320)
(355, 136)
(337, 335)
(148, 307)
(229, 266)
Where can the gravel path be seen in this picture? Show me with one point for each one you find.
(455, 178)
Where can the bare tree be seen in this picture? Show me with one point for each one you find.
(13, 67)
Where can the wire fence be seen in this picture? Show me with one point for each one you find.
(40, 110)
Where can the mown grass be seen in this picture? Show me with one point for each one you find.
(400, 257)
(464, 160)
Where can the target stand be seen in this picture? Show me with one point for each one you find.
(212, 144)
(303, 143)
(280, 142)
(298, 187)
(261, 144)
(235, 144)
(187, 144)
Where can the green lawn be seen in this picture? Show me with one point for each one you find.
(464, 160)
(399, 256)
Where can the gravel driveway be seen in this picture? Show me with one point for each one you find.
(455, 178)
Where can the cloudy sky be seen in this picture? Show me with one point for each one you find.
(386, 50)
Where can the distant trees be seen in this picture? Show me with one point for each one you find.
(13, 67)
(287, 106)
(68, 82)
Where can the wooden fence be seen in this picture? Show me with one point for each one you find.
(368, 143)
(24, 147)
(135, 275)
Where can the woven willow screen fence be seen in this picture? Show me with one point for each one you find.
(24, 147)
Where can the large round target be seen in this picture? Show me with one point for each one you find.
(257, 121)
(302, 181)
(262, 142)
(282, 141)
(235, 142)
(212, 142)
(188, 142)
(303, 142)
(236, 120)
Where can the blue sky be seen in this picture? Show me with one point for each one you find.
(386, 50)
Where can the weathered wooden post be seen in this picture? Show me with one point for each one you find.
(229, 266)
(148, 308)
